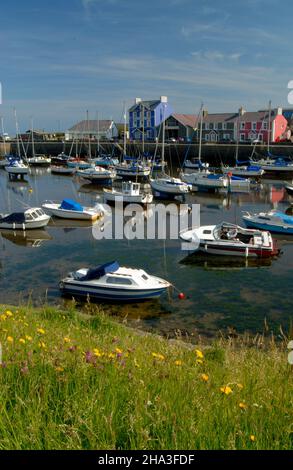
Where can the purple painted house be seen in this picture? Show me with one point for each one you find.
(145, 118)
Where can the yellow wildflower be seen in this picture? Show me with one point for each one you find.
(66, 339)
(178, 363)
(240, 386)
(199, 354)
(41, 331)
(226, 389)
(199, 361)
(243, 406)
(3, 317)
(118, 351)
(97, 352)
(25, 324)
(42, 345)
(158, 356)
(59, 369)
(10, 339)
(8, 313)
(136, 363)
(28, 338)
(22, 341)
(252, 437)
(204, 377)
(111, 356)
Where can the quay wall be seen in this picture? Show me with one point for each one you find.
(174, 152)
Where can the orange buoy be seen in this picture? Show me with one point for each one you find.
(181, 296)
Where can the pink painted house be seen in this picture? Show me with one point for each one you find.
(255, 125)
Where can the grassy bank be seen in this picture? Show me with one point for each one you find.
(69, 381)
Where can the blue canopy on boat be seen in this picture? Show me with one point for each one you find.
(288, 219)
(99, 271)
(14, 218)
(71, 205)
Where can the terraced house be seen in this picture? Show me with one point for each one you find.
(145, 118)
(245, 125)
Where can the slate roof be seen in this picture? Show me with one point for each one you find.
(189, 120)
(149, 105)
(91, 126)
(220, 117)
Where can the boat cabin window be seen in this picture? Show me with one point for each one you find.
(118, 280)
(264, 218)
(145, 277)
(29, 217)
(207, 231)
(40, 212)
(34, 215)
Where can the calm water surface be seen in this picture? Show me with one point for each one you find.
(219, 295)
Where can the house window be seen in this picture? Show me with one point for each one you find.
(254, 126)
(215, 126)
(203, 126)
(265, 125)
(242, 137)
(220, 126)
(224, 126)
(242, 126)
(211, 126)
(207, 138)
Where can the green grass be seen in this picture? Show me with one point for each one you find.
(73, 381)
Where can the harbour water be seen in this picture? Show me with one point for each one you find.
(220, 294)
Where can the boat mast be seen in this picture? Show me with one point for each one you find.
(269, 127)
(17, 133)
(2, 129)
(124, 137)
(237, 137)
(163, 136)
(98, 125)
(88, 131)
(33, 142)
(142, 129)
(200, 133)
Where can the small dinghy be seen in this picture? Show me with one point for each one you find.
(98, 175)
(229, 239)
(130, 194)
(17, 167)
(69, 209)
(39, 160)
(113, 282)
(31, 218)
(274, 221)
(62, 170)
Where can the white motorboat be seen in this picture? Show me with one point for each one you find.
(167, 187)
(113, 282)
(245, 171)
(205, 180)
(78, 164)
(17, 167)
(193, 164)
(69, 209)
(130, 194)
(232, 240)
(276, 165)
(274, 221)
(98, 174)
(289, 188)
(132, 170)
(31, 218)
(39, 160)
(62, 170)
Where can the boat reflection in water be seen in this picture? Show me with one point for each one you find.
(31, 238)
(225, 263)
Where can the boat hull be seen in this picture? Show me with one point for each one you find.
(70, 214)
(270, 227)
(245, 251)
(110, 294)
(34, 224)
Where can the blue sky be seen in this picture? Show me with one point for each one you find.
(63, 57)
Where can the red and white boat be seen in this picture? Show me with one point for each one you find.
(231, 240)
